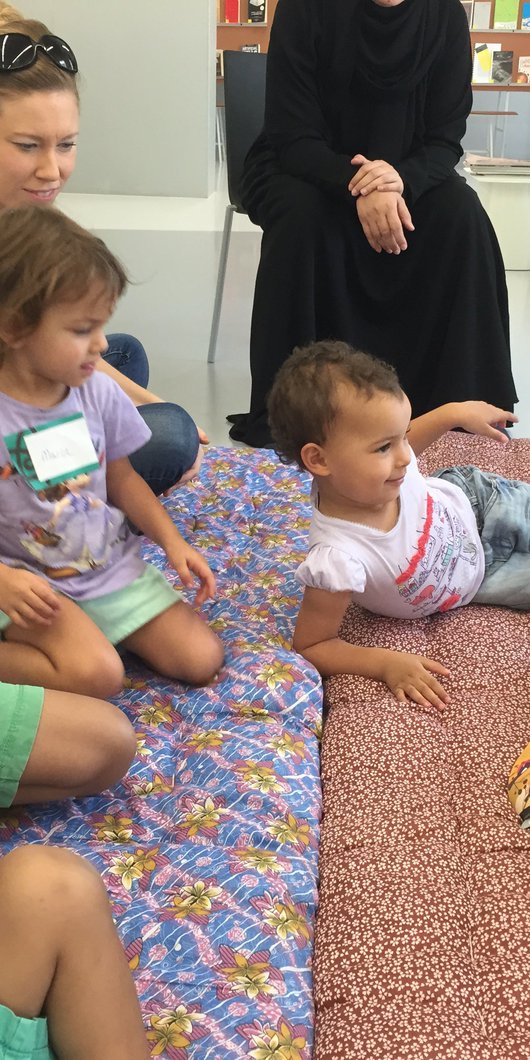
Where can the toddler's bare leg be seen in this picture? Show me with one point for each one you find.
(71, 655)
(179, 644)
(82, 746)
(60, 956)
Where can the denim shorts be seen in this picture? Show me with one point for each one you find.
(501, 507)
(23, 1039)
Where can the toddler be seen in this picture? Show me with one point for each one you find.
(381, 534)
(72, 581)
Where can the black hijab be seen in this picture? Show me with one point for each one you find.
(396, 46)
(374, 72)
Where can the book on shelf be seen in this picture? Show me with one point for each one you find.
(257, 10)
(481, 14)
(468, 8)
(523, 70)
(483, 62)
(250, 48)
(219, 63)
(502, 68)
(505, 14)
(525, 15)
(496, 167)
(232, 13)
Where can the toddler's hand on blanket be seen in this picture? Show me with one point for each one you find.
(410, 677)
(26, 598)
(189, 565)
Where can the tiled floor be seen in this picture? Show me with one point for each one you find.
(171, 248)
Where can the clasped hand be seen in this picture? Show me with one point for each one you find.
(381, 208)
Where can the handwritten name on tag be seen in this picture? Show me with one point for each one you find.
(62, 450)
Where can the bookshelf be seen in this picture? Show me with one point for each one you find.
(232, 35)
(516, 40)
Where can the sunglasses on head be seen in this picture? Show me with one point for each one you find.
(17, 51)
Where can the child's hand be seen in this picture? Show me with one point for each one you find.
(27, 599)
(480, 418)
(411, 677)
(189, 564)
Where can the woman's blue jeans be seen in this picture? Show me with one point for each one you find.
(174, 443)
(501, 508)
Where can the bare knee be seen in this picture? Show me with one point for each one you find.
(51, 874)
(98, 673)
(109, 756)
(204, 659)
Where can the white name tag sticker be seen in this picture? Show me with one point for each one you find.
(62, 451)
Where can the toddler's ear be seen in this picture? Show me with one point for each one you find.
(11, 334)
(313, 458)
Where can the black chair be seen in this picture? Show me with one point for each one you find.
(244, 85)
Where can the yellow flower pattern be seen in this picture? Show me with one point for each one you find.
(201, 816)
(115, 829)
(173, 1028)
(131, 867)
(250, 978)
(285, 920)
(262, 778)
(276, 674)
(194, 899)
(261, 860)
(280, 1044)
(289, 830)
(202, 740)
(286, 745)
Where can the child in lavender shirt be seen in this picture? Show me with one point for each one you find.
(72, 581)
(381, 534)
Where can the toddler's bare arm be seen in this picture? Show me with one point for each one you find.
(316, 637)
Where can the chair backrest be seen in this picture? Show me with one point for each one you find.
(244, 85)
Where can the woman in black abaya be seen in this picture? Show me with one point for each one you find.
(368, 233)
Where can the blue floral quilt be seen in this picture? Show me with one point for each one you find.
(208, 848)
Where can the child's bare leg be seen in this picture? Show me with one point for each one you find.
(60, 956)
(82, 746)
(71, 655)
(179, 644)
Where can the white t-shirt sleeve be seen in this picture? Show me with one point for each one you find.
(331, 569)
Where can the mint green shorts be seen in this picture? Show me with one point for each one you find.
(122, 612)
(22, 1039)
(20, 714)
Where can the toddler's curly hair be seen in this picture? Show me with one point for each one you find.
(302, 403)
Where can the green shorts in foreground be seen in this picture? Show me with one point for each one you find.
(22, 1039)
(20, 713)
(122, 612)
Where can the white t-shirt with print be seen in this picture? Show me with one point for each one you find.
(432, 559)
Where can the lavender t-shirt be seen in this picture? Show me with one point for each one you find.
(70, 533)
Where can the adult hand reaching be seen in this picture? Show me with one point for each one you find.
(374, 176)
(384, 215)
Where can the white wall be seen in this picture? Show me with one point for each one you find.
(147, 82)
